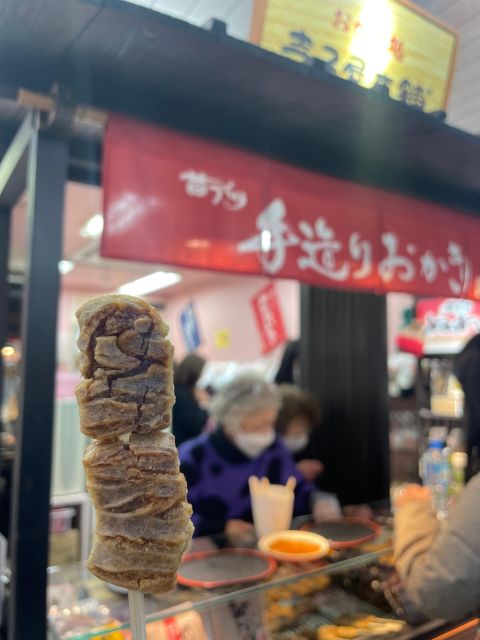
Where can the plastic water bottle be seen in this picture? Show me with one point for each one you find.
(435, 473)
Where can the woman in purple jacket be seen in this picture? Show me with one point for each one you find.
(218, 465)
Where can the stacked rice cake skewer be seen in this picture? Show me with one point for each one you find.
(143, 521)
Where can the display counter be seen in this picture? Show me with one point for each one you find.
(352, 593)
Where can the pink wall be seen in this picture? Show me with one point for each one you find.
(219, 305)
(67, 330)
(227, 306)
(67, 333)
(222, 305)
(397, 303)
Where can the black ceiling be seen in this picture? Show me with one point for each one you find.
(121, 57)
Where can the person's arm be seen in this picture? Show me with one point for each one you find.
(188, 416)
(204, 524)
(303, 490)
(303, 496)
(207, 526)
(310, 469)
(440, 564)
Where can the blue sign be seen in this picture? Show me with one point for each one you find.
(191, 333)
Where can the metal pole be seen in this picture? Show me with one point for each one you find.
(4, 252)
(46, 176)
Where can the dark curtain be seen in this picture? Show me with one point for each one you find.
(344, 363)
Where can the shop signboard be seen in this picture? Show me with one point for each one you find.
(449, 316)
(268, 317)
(175, 199)
(388, 42)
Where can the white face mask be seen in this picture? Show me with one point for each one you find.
(252, 444)
(296, 443)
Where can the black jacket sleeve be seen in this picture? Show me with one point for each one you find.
(188, 416)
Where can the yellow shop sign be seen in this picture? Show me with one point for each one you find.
(388, 42)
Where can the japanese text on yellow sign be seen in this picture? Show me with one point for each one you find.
(386, 42)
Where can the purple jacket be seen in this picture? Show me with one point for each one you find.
(217, 476)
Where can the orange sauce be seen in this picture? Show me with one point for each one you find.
(285, 545)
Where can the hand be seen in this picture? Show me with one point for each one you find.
(412, 493)
(238, 528)
(358, 511)
(326, 507)
(310, 469)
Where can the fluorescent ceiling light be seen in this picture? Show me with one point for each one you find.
(93, 228)
(152, 282)
(65, 266)
(198, 243)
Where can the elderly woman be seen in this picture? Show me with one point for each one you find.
(218, 465)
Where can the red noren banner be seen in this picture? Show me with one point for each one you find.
(176, 199)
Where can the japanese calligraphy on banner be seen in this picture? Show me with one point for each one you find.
(268, 317)
(390, 42)
(180, 200)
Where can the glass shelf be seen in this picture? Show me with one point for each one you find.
(74, 589)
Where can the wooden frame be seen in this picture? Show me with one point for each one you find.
(260, 9)
(464, 631)
(258, 18)
(445, 27)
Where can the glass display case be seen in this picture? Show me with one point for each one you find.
(353, 593)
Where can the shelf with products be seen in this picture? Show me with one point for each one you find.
(439, 399)
(82, 505)
(426, 414)
(351, 587)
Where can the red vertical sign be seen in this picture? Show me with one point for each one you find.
(268, 317)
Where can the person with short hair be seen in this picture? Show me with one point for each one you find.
(467, 371)
(188, 417)
(439, 562)
(298, 416)
(217, 465)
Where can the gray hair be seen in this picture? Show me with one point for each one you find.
(245, 395)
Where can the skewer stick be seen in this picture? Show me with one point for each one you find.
(136, 605)
(291, 483)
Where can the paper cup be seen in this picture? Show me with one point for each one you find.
(272, 508)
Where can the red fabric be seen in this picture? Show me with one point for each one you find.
(409, 344)
(175, 199)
